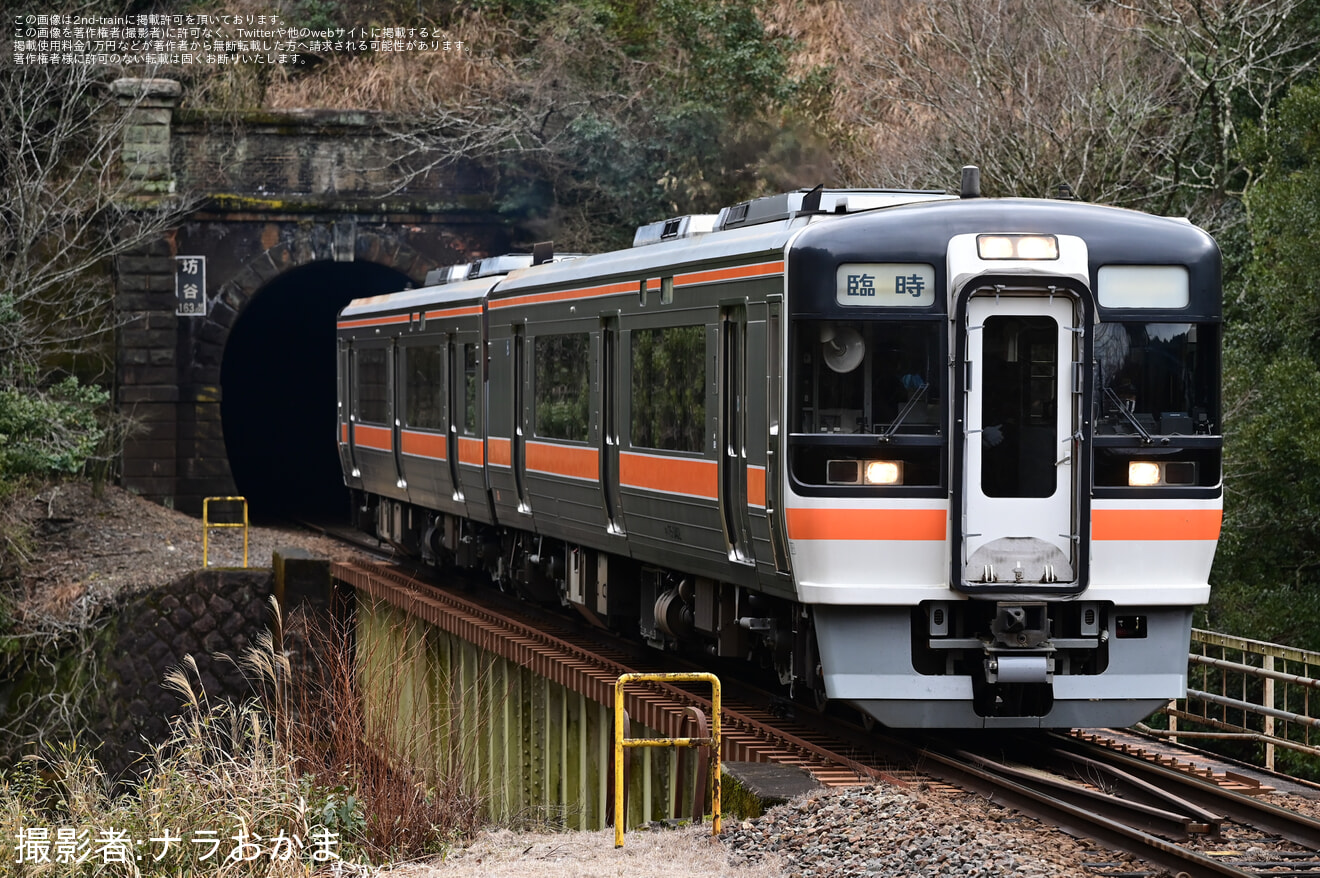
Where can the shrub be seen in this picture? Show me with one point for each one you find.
(50, 431)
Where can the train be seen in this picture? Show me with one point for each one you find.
(955, 461)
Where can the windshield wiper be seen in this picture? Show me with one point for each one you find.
(904, 412)
(1127, 413)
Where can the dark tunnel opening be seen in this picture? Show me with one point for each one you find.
(277, 384)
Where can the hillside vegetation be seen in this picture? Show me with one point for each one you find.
(597, 115)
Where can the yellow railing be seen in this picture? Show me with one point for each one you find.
(208, 525)
(620, 742)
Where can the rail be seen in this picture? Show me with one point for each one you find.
(1249, 691)
(208, 526)
(621, 741)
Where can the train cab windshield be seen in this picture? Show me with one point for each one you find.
(1156, 379)
(868, 403)
(1156, 405)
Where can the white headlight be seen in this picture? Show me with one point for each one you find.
(1143, 473)
(1038, 247)
(884, 472)
(994, 247)
(1017, 246)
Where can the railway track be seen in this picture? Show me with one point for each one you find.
(1166, 814)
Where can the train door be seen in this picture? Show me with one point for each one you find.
(397, 408)
(774, 406)
(455, 409)
(518, 450)
(346, 461)
(609, 424)
(371, 415)
(1020, 414)
(733, 445)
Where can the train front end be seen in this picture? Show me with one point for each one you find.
(1002, 462)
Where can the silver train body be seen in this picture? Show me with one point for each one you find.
(956, 461)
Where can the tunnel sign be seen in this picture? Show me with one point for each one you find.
(190, 285)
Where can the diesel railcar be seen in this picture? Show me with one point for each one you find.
(954, 460)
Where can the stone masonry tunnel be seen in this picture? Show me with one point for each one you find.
(290, 215)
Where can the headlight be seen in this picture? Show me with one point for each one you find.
(864, 472)
(884, 472)
(1143, 474)
(1147, 473)
(1017, 246)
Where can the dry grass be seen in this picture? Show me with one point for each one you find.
(405, 82)
(405, 812)
(298, 763)
(221, 775)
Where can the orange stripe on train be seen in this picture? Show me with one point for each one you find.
(433, 445)
(468, 311)
(561, 295)
(756, 486)
(672, 475)
(563, 460)
(867, 524)
(499, 451)
(471, 451)
(360, 322)
(379, 438)
(736, 273)
(1156, 524)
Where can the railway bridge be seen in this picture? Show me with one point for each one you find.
(225, 347)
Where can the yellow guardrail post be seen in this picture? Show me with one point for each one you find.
(620, 742)
(207, 525)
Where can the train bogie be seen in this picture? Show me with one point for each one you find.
(955, 461)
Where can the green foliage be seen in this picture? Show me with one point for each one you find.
(642, 111)
(1268, 569)
(532, 11)
(1285, 214)
(336, 807)
(732, 62)
(52, 431)
(1295, 764)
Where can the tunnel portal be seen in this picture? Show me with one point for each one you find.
(277, 382)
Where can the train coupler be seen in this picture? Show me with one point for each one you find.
(1034, 667)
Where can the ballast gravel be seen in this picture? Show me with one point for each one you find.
(884, 831)
(860, 832)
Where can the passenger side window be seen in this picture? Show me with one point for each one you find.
(563, 386)
(471, 382)
(424, 367)
(371, 377)
(669, 388)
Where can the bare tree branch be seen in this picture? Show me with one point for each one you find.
(67, 210)
(1037, 94)
(1139, 103)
